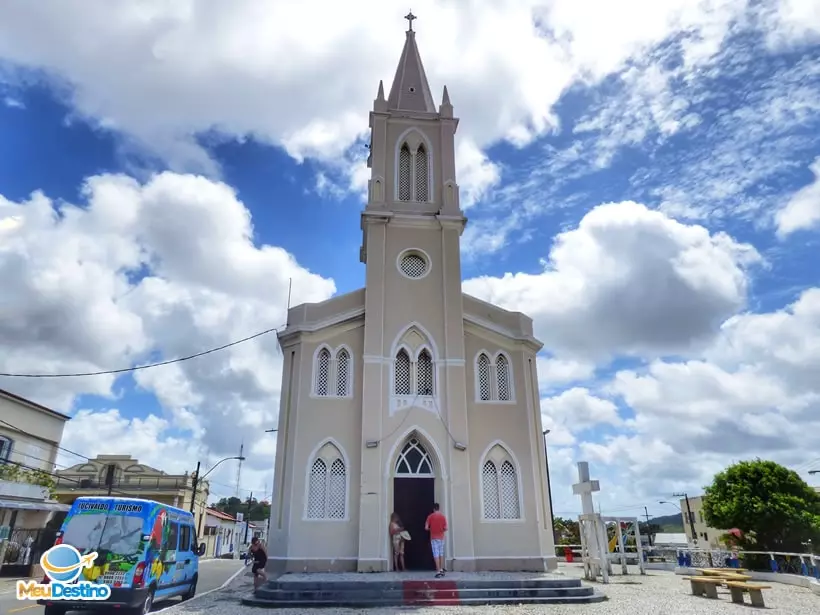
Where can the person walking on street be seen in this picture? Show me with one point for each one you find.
(260, 558)
(436, 524)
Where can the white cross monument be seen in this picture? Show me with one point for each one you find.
(593, 550)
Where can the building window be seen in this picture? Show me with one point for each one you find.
(6, 445)
(333, 374)
(499, 486)
(343, 373)
(414, 460)
(421, 174)
(414, 174)
(322, 372)
(424, 373)
(327, 485)
(402, 377)
(483, 373)
(413, 265)
(414, 377)
(493, 378)
(404, 173)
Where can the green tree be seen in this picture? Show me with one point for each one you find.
(566, 532)
(255, 511)
(774, 508)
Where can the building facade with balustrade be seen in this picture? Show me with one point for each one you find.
(124, 476)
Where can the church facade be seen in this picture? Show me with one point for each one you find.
(408, 391)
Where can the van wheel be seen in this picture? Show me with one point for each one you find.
(191, 590)
(53, 609)
(146, 606)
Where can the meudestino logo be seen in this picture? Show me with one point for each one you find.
(63, 565)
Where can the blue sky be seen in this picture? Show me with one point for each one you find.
(643, 180)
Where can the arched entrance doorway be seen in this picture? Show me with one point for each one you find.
(413, 497)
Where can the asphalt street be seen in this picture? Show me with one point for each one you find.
(212, 574)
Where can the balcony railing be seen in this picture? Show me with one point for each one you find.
(128, 483)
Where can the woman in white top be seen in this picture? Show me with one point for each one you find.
(396, 529)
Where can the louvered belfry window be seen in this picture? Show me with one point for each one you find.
(404, 173)
(421, 174)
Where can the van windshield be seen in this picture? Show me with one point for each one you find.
(99, 531)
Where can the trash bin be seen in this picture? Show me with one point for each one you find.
(568, 554)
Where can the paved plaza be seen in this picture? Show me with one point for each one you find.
(657, 592)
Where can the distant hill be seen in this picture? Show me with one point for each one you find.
(669, 523)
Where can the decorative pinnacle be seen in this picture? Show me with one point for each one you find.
(410, 17)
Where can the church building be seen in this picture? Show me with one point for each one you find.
(408, 392)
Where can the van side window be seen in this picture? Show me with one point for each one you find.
(185, 538)
(173, 536)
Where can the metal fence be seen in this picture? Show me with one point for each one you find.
(23, 549)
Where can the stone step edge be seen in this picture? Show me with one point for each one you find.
(257, 602)
(431, 584)
(338, 596)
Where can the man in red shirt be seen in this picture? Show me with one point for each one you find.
(436, 524)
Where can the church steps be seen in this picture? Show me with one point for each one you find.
(418, 593)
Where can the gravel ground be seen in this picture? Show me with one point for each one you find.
(656, 593)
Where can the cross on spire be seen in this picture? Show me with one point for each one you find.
(410, 17)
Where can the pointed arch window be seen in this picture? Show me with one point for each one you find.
(323, 372)
(424, 373)
(502, 371)
(413, 175)
(327, 485)
(405, 160)
(333, 373)
(402, 376)
(422, 170)
(414, 460)
(483, 373)
(414, 377)
(343, 373)
(494, 380)
(500, 495)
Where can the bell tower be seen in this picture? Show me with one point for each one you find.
(412, 146)
(413, 372)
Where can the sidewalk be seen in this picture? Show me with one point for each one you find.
(7, 584)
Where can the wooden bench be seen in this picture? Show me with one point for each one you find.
(738, 588)
(704, 586)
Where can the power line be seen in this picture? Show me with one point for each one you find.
(138, 367)
(17, 429)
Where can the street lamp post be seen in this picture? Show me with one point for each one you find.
(198, 479)
(549, 486)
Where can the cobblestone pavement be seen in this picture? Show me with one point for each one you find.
(657, 592)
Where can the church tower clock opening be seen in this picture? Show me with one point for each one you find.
(408, 392)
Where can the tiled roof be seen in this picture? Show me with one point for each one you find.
(219, 514)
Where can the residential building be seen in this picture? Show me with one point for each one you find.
(706, 536)
(124, 476)
(219, 533)
(30, 436)
(408, 392)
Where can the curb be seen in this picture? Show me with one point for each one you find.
(210, 591)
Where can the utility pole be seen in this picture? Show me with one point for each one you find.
(688, 512)
(195, 485)
(248, 519)
(648, 526)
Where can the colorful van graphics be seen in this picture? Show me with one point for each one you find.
(145, 551)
